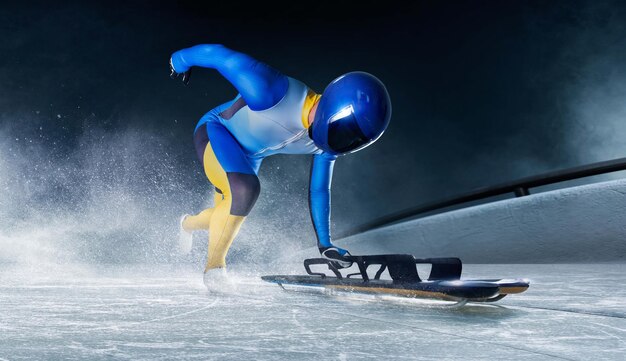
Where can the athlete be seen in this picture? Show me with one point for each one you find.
(274, 114)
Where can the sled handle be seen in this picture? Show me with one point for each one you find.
(443, 268)
(314, 261)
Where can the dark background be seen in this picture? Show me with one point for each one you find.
(483, 92)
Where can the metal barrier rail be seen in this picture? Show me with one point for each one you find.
(519, 188)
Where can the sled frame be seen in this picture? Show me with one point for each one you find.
(402, 267)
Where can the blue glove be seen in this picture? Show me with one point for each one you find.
(175, 73)
(341, 258)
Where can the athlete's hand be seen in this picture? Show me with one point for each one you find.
(174, 73)
(340, 257)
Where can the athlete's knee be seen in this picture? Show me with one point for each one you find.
(200, 140)
(201, 134)
(245, 189)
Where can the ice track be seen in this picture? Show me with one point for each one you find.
(571, 312)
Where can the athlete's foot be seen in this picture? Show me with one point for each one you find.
(339, 256)
(185, 239)
(216, 279)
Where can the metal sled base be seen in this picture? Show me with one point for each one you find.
(443, 283)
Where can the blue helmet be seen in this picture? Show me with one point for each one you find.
(353, 112)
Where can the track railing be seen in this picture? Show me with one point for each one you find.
(518, 188)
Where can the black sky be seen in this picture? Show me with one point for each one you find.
(483, 91)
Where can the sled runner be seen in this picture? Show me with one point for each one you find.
(443, 283)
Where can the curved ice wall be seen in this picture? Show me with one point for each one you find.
(578, 224)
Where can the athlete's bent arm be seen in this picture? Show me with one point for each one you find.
(260, 85)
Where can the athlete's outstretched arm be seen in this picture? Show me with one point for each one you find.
(319, 197)
(260, 85)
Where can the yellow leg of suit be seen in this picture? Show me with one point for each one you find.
(223, 226)
(202, 220)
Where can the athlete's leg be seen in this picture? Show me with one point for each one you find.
(228, 168)
(202, 220)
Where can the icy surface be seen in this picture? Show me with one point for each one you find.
(571, 312)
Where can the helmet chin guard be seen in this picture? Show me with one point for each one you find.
(353, 112)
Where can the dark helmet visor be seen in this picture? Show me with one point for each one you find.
(344, 134)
